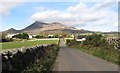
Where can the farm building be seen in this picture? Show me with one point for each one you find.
(81, 38)
(34, 35)
(10, 35)
(30, 36)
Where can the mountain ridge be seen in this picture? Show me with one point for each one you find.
(38, 27)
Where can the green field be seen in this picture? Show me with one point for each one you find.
(11, 45)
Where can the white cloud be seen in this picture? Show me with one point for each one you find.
(103, 5)
(81, 7)
(6, 6)
(80, 15)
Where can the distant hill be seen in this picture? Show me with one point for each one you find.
(38, 27)
(12, 30)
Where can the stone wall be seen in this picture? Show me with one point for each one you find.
(19, 59)
(115, 42)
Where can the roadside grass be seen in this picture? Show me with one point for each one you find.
(106, 52)
(12, 45)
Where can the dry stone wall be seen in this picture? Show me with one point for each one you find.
(115, 42)
(19, 59)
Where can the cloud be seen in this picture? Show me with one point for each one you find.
(6, 6)
(102, 5)
(80, 15)
(81, 7)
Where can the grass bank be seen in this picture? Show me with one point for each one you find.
(97, 46)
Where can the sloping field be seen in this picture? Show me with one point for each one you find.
(11, 45)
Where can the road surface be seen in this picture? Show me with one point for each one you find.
(74, 60)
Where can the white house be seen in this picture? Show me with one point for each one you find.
(9, 35)
(34, 35)
(30, 36)
(83, 39)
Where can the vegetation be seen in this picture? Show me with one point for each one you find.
(70, 42)
(22, 36)
(45, 63)
(6, 40)
(96, 45)
(11, 45)
(3, 37)
(39, 36)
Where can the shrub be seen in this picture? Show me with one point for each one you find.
(97, 45)
(39, 36)
(95, 40)
(70, 42)
(6, 40)
(22, 36)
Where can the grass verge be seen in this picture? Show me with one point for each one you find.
(106, 52)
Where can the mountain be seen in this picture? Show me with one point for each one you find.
(35, 25)
(11, 30)
(76, 31)
(55, 27)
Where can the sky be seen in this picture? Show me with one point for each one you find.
(88, 15)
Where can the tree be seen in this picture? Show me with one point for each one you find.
(95, 40)
(64, 34)
(56, 36)
(39, 36)
(22, 36)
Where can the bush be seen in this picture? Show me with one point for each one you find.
(39, 36)
(96, 45)
(22, 36)
(95, 40)
(70, 42)
(6, 40)
(56, 36)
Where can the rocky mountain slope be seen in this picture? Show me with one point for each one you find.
(38, 27)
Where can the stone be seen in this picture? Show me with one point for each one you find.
(3, 54)
(9, 53)
(6, 66)
(4, 58)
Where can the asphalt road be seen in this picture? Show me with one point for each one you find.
(74, 60)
